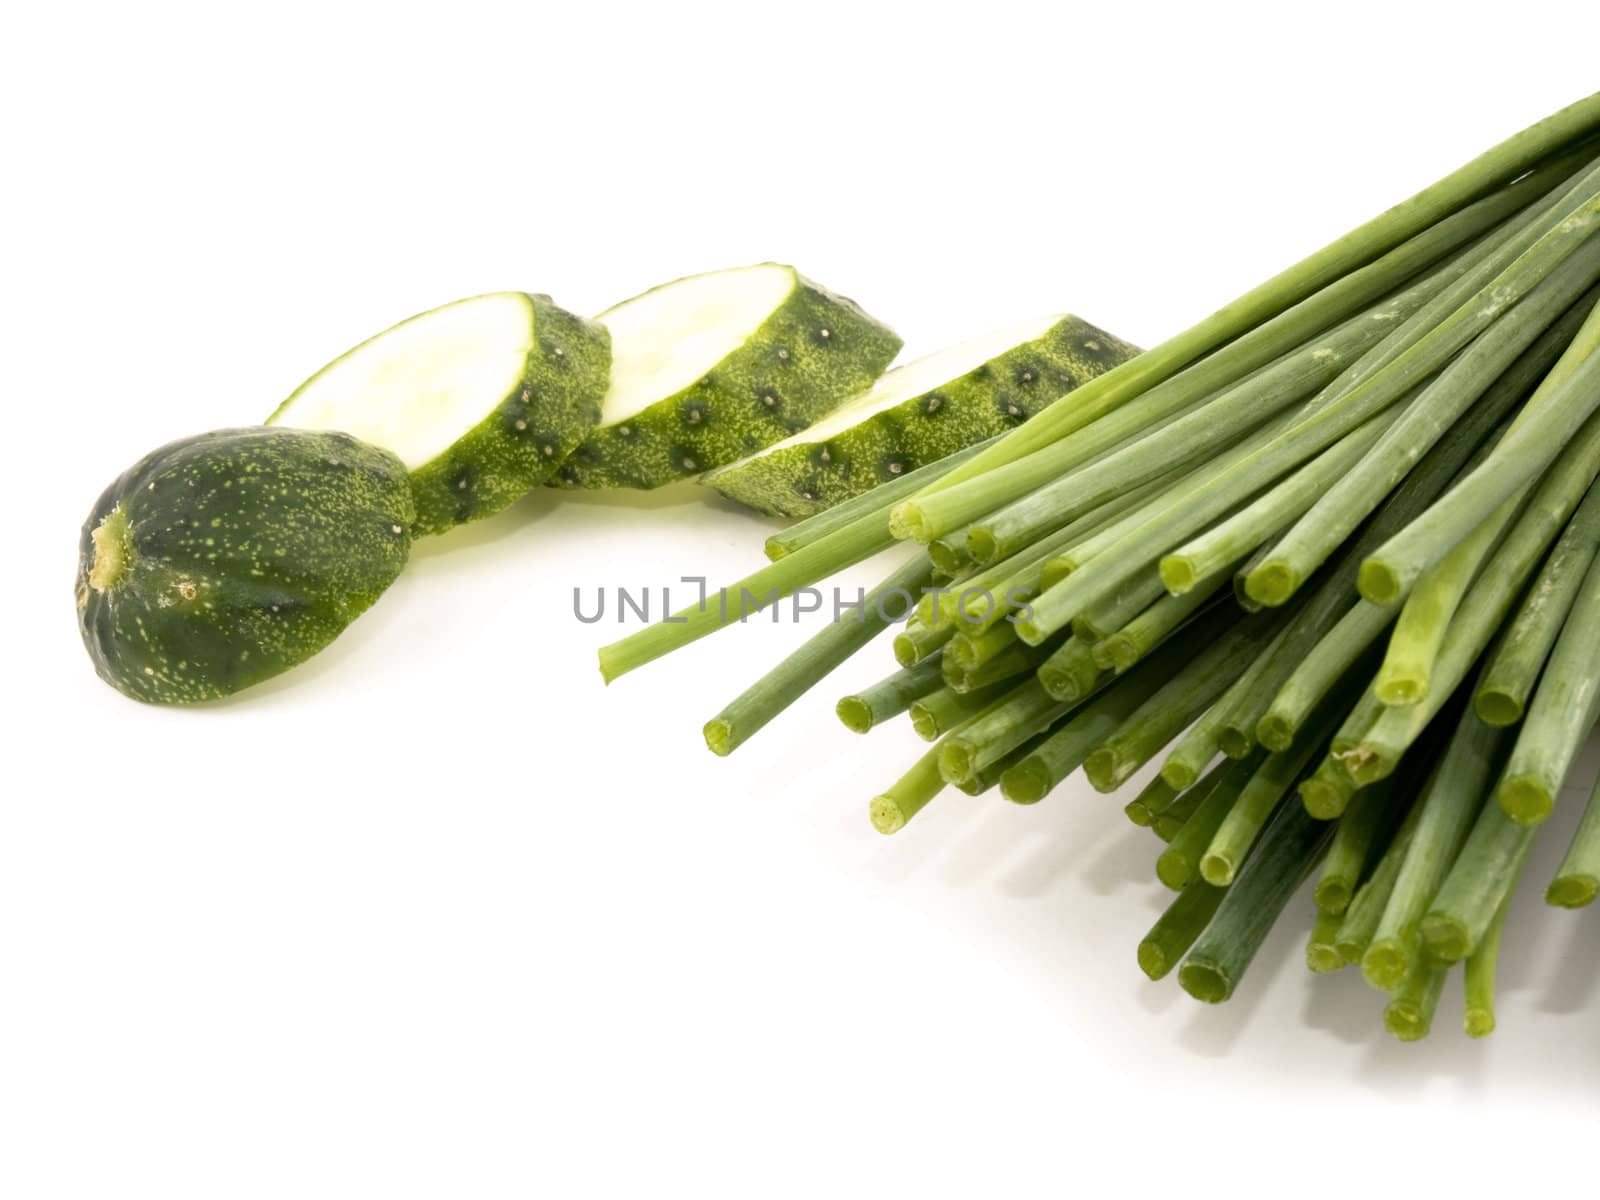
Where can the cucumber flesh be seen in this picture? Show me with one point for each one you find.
(481, 399)
(707, 369)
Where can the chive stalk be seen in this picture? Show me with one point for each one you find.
(1409, 1016)
(1564, 709)
(1334, 656)
(908, 795)
(1481, 879)
(1503, 695)
(1357, 844)
(1150, 628)
(1004, 725)
(1071, 671)
(1175, 818)
(1322, 956)
(1180, 864)
(1578, 878)
(1153, 799)
(1479, 1020)
(1449, 805)
(1372, 897)
(1286, 851)
(937, 713)
(809, 665)
(1177, 929)
(890, 696)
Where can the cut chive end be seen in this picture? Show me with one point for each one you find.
(719, 737)
(1495, 707)
(1204, 981)
(1384, 964)
(1234, 742)
(1122, 652)
(886, 814)
(1572, 891)
(947, 558)
(1174, 870)
(1101, 769)
(1333, 894)
(1272, 583)
(1153, 960)
(1407, 1020)
(1274, 732)
(1029, 631)
(1322, 800)
(1479, 1022)
(854, 714)
(907, 524)
(1025, 783)
(982, 546)
(1400, 691)
(905, 650)
(1446, 937)
(923, 722)
(1378, 583)
(1139, 813)
(956, 762)
(1323, 959)
(1217, 869)
(1178, 574)
(1179, 775)
(1524, 799)
(775, 549)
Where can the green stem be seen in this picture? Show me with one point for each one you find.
(972, 650)
(1505, 363)
(1322, 955)
(1204, 738)
(1406, 675)
(1485, 607)
(810, 564)
(1409, 1016)
(1480, 971)
(1226, 543)
(1372, 897)
(810, 664)
(1024, 711)
(1564, 709)
(1311, 295)
(1335, 655)
(937, 713)
(1175, 819)
(1328, 791)
(1154, 798)
(1503, 695)
(1480, 881)
(1179, 865)
(1155, 624)
(908, 795)
(919, 641)
(1578, 878)
(1286, 851)
(890, 696)
(1450, 803)
(1071, 672)
(1178, 927)
(1567, 398)
(1358, 842)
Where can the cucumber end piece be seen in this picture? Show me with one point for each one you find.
(112, 549)
(1204, 981)
(1525, 799)
(1572, 891)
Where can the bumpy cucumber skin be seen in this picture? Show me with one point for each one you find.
(996, 396)
(246, 551)
(522, 443)
(815, 351)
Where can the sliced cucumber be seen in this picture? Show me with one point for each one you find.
(707, 369)
(921, 412)
(481, 399)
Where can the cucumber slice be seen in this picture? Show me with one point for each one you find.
(707, 369)
(921, 412)
(481, 399)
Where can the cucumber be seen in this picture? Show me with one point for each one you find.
(707, 369)
(220, 560)
(920, 412)
(481, 399)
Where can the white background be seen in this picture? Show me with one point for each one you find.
(438, 915)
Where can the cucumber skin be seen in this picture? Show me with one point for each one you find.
(998, 395)
(248, 550)
(725, 415)
(522, 443)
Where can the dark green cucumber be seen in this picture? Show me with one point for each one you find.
(221, 560)
(709, 369)
(920, 412)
